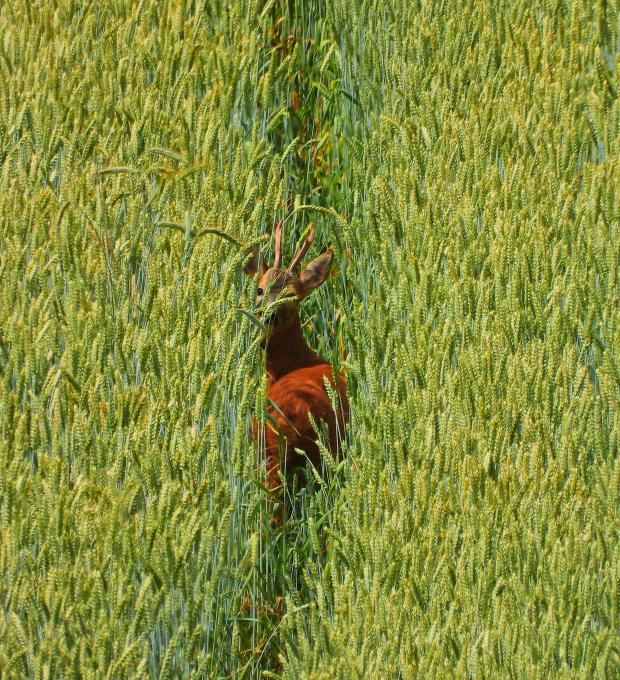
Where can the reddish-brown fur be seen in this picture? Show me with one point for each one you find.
(296, 386)
(296, 374)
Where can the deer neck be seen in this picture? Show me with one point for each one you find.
(287, 350)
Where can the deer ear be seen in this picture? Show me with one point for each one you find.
(256, 263)
(316, 272)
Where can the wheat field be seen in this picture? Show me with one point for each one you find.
(463, 161)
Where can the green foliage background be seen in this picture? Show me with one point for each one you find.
(463, 159)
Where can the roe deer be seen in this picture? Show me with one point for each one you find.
(295, 373)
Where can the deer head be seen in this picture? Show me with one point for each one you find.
(280, 291)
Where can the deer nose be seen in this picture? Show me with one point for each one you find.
(259, 310)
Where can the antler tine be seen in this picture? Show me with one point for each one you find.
(278, 256)
(303, 250)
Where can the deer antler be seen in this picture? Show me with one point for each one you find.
(278, 256)
(302, 251)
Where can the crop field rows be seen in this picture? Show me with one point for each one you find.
(462, 159)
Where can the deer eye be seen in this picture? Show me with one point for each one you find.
(259, 291)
